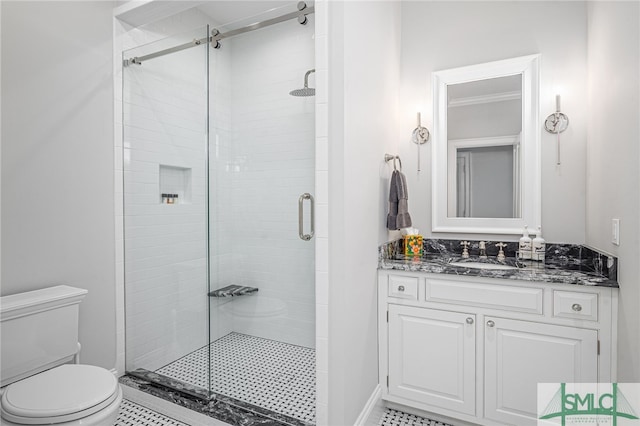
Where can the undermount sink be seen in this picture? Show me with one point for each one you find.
(479, 265)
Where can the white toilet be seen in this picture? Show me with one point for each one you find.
(38, 383)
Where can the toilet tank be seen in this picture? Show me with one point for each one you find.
(38, 331)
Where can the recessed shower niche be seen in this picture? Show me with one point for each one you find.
(175, 185)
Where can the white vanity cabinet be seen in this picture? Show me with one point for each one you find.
(521, 354)
(474, 349)
(412, 332)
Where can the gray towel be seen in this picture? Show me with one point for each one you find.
(398, 216)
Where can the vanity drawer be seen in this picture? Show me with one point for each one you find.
(571, 304)
(403, 287)
(521, 299)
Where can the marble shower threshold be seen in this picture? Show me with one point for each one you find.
(220, 407)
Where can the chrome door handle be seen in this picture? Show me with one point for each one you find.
(303, 236)
(469, 320)
(576, 307)
(490, 323)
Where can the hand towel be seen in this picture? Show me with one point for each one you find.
(398, 216)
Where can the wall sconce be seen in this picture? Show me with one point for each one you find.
(557, 123)
(420, 136)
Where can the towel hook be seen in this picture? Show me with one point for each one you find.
(389, 157)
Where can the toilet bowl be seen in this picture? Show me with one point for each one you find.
(71, 394)
(41, 379)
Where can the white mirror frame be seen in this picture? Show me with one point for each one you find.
(530, 193)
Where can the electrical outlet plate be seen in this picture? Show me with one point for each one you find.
(615, 231)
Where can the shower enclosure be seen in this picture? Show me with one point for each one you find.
(218, 212)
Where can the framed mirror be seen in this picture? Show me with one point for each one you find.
(486, 146)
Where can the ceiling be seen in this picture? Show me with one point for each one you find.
(222, 12)
(229, 11)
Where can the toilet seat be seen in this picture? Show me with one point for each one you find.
(61, 394)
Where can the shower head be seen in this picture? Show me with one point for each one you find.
(306, 90)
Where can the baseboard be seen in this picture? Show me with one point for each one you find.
(374, 401)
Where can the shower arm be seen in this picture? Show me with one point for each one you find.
(306, 78)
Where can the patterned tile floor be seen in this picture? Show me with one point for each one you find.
(132, 414)
(267, 373)
(398, 418)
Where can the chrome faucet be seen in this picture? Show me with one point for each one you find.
(465, 249)
(483, 250)
(501, 256)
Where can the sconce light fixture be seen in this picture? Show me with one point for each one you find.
(420, 136)
(557, 123)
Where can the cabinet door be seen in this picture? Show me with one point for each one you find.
(520, 354)
(432, 357)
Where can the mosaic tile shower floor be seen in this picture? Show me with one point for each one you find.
(267, 373)
(398, 418)
(132, 414)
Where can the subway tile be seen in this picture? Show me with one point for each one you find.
(322, 287)
(322, 355)
(322, 255)
(322, 187)
(321, 54)
(322, 120)
(264, 160)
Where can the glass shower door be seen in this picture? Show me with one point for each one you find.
(262, 161)
(219, 167)
(166, 209)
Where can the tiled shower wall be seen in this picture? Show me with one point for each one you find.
(262, 163)
(262, 159)
(165, 251)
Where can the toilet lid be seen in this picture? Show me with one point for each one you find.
(62, 394)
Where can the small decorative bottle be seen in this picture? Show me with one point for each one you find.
(539, 246)
(525, 244)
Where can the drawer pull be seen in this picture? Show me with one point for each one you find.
(469, 320)
(490, 323)
(403, 287)
(576, 307)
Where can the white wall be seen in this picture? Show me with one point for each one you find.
(57, 156)
(364, 54)
(612, 159)
(441, 35)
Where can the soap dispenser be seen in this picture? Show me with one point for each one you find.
(538, 247)
(525, 244)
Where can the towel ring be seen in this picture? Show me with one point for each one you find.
(389, 157)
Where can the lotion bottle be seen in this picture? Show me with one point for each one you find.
(525, 245)
(538, 246)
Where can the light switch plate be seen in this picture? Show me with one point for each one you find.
(615, 231)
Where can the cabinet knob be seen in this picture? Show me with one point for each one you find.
(490, 323)
(469, 320)
(576, 307)
(400, 288)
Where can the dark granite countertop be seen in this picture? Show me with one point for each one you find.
(564, 264)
